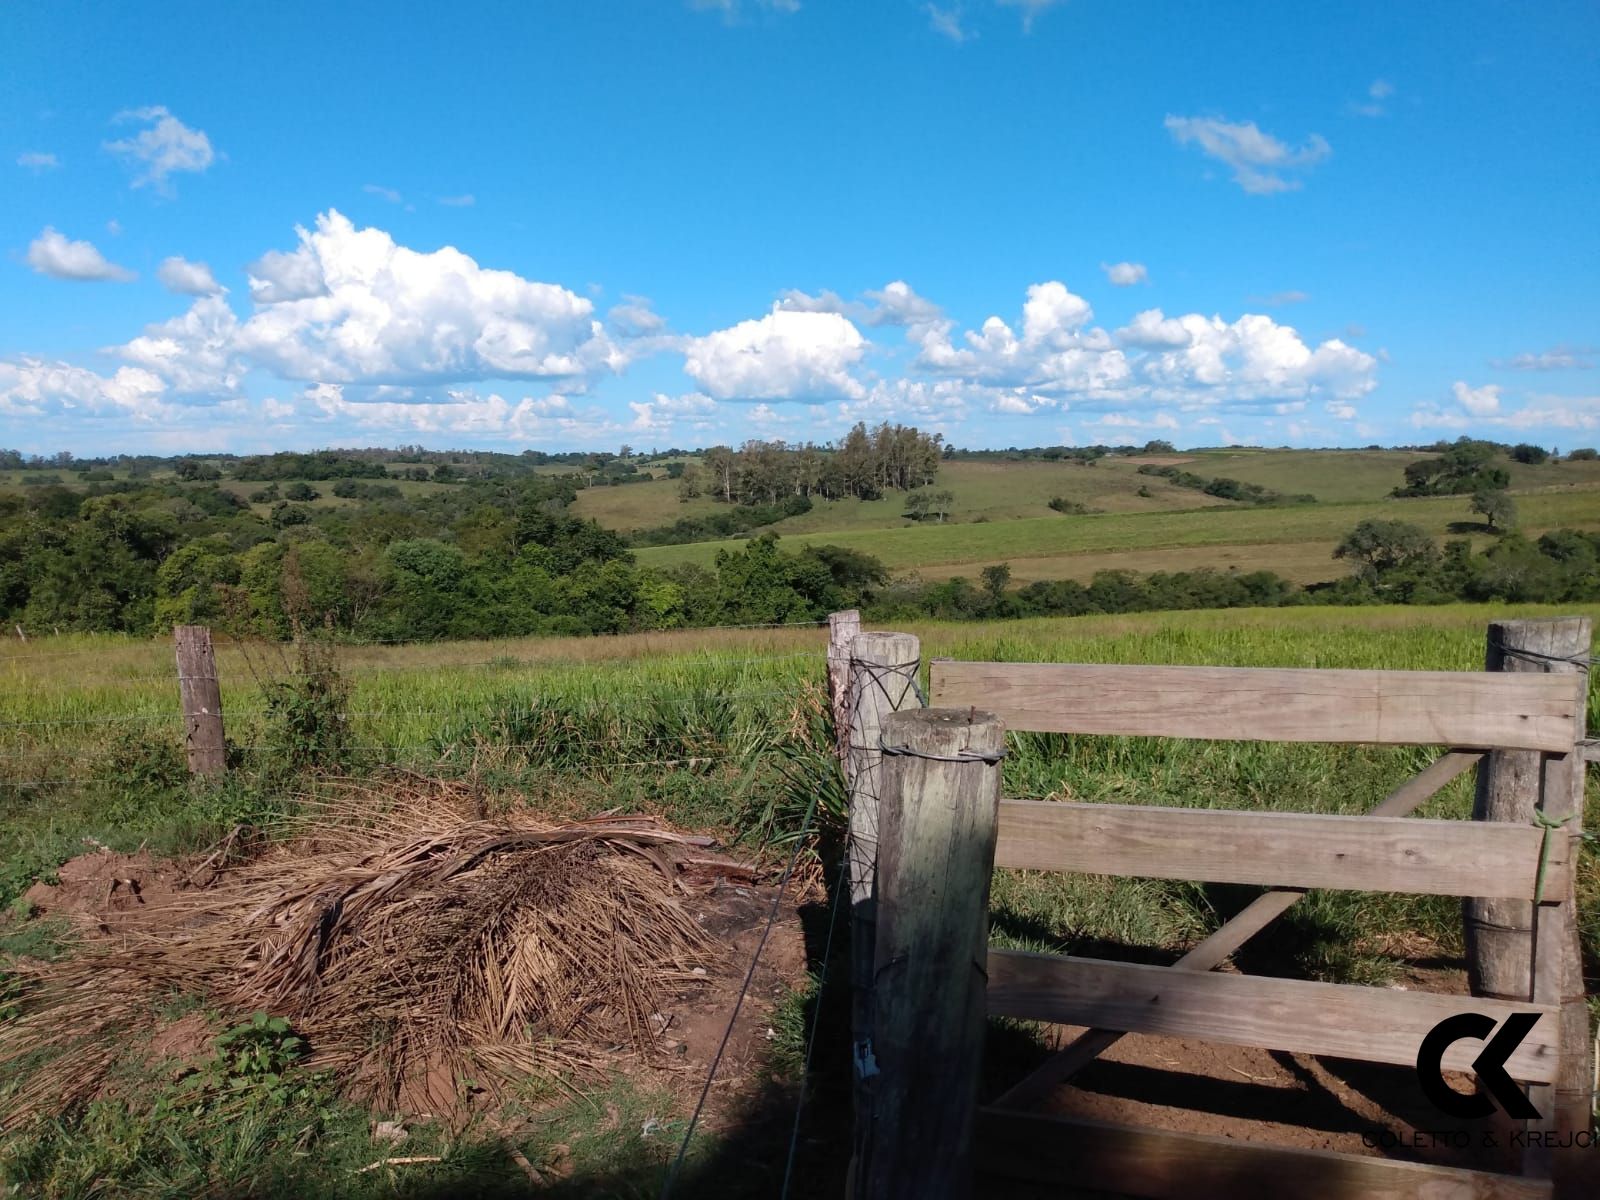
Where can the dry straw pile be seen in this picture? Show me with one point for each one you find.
(411, 941)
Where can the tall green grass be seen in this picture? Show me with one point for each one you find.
(721, 728)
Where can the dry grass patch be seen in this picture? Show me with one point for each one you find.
(412, 941)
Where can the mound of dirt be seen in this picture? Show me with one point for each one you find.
(102, 892)
(412, 943)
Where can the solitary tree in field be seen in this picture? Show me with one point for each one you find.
(1379, 548)
(1496, 507)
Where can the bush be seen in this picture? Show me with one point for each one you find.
(744, 518)
(1072, 507)
(306, 724)
(1529, 454)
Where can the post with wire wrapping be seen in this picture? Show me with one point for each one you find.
(1522, 951)
(883, 680)
(939, 803)
(201, 695)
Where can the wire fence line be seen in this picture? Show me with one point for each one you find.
(660, 694)
(688, 660)
(684, 760)
(448, 745)
(227, 643)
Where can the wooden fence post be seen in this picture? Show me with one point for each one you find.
(202, 701)
(883, 680)
(939, 816)
(842, 629)
(1514, 950)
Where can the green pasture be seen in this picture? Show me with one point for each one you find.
(930, 545)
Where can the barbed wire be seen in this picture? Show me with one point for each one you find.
(684, 760)
(631, 661)
(264, 646)
(443, 746)
(229, 714)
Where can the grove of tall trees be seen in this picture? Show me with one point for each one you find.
(863, 465)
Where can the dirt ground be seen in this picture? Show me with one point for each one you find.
(98, 892)
(1290, 1100)
(1171, 1084)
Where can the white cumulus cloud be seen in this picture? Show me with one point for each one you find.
(1125, 274)
(1056, 351)
(31, 387)
(178, 274)
(194, 354)
(163, 147)
(37, 161)
(55, 255)
(1261, 164)
(1250, 359)
(1479, 402)
(785, 355)
(349, 305)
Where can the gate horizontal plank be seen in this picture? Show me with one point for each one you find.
(1292, 850)
(1156, 1164)
(1511, 710)
(1301, 1017)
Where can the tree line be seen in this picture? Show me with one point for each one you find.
(486, 559)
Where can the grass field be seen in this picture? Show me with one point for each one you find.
(714, 729)
(974, 545)
(681, 723)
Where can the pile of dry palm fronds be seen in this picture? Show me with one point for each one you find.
(408, 939)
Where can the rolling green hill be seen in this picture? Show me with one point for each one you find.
(936, 549)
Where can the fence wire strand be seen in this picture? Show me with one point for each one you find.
(738, 1004)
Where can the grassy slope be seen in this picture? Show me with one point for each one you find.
(978, 543)
(1001, 514)
(1339, 476)
(995, 491)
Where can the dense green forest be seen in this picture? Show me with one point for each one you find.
(137, 545)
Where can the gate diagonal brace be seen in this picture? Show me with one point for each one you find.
(1248, 922)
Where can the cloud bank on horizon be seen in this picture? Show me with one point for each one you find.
(349, 323)
(380, 328)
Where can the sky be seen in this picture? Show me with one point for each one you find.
(687, 222)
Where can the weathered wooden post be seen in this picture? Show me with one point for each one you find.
(842, 630)
(202, 701)
(1517, 950)
(940, 803)
(883, 680)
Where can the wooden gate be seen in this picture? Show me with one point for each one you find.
(1288, 853)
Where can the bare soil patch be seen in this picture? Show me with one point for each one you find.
(1291, 1100)
(103, 892)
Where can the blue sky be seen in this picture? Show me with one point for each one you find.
(674, 222)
